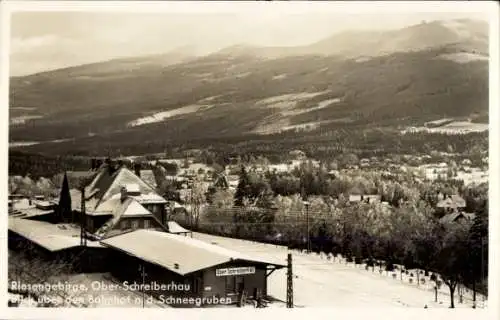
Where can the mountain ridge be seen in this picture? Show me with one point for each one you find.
(224, 93)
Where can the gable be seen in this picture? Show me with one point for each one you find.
(126, 177)
(130, 223)
(129, 208)
(135, 209)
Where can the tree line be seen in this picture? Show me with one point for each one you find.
(403, 228)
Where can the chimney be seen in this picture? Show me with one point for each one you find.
(137, 169)
(111, 165)
(123, 194)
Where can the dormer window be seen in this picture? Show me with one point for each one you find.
(133, 189)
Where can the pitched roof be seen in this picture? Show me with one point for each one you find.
(76, 200)
(30, 212)
(174, 227)
(221, 181)
(135, 209)
(101, 182)
(106, 184)
(453, 201)
(170, 250)
(149, 198)
(128, 208)
(452, 217)
(354, 197)
(148, 176)
(108, 206)
(124, 177)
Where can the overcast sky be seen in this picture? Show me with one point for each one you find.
(50, 40)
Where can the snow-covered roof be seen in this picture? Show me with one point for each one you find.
(179, 254)
(454, 201)
(135, 209)
(174, 227)
(452, 217)
(132, 188)
(30, 212)
(53, 237)
(129, 207)
(149, 198)
(354, 197)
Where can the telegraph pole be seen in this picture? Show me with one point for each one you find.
(482, 263)
(289, 283)
(307, 227)
(85, 259)
(83, 239)
(143, 274)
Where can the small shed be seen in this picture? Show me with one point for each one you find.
(175, 228)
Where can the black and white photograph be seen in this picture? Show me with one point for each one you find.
(255, 158)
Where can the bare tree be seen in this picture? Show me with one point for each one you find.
(196, 199)
(27, 266)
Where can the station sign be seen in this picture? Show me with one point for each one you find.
(234, 271)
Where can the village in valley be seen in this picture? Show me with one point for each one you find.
(363, 219)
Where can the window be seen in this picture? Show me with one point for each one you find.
(135, 224)
(124, 224)
(155, 208)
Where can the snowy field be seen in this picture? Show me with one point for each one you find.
(322, 282)
(161, 116)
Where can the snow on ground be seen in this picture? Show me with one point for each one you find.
(455, 127)
(321, 105)
(161, 116)
(476, 176)
(439, 121)
(211, 98)
(463, 57)
(23, 119)
(286, 105)
(22, 143)
(23, 108)
(319, 282)
(288, 100)
(280, 76)
(362, 59)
